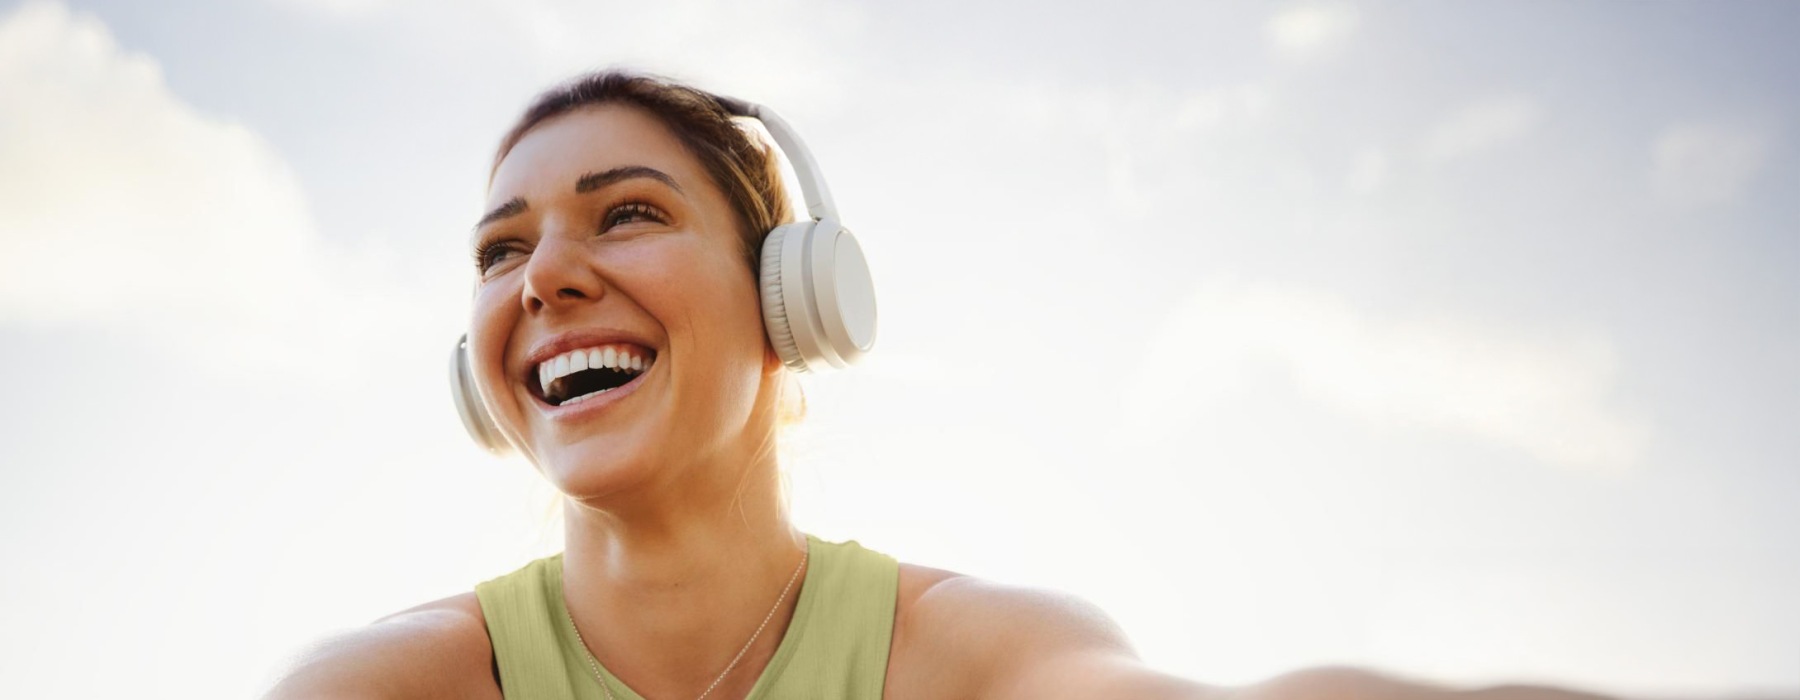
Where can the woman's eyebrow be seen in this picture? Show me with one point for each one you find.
(511, 207)
(594, 181)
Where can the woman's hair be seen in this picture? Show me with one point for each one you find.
(742, 167)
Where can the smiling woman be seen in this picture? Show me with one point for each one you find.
(630, 338)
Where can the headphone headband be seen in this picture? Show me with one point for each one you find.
(819, 204)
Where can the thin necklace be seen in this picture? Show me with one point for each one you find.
(595, 664)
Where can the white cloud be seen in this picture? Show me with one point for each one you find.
(795, 53)
(1481, 126)
(1308, 29)
(1544, 393)
(125, 209)
(341, 9)
(1703, 164)
(112, 185)
(1368, 172)
(1221, 107)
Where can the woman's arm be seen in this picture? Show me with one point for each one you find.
(1127, 677)
(1034, 645)
(1357, 684)
(437, 650)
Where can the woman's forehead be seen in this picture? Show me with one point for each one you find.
(559, 151)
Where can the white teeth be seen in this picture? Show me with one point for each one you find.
(584, 359)
(584, 397)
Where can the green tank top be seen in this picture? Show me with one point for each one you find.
(835, 647)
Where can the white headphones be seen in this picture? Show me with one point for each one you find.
(818, 302)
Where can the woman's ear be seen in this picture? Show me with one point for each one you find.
(790, 397)
(772, 363)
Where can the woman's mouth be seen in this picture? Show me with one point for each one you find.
(585, 373)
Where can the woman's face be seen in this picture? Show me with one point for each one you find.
(605, 240)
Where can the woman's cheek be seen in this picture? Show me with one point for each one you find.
(489, 336)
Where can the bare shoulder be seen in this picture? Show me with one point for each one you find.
(935, 603)
(436, 650)
(958, 636)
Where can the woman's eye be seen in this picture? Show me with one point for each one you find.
(491, 254)
(632, 212)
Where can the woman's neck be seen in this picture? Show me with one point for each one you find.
(665, 597)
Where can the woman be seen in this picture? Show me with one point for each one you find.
(625, 217)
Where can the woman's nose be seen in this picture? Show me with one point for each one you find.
(559, 274)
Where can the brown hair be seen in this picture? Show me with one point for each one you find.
(743, 168)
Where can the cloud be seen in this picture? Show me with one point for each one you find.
(1543, 393)
(796, 53)
(124, 209)
(1213, 109)
(1309, 29)
(1706, 164)
(1480, 127)
(112, 184)
(341, 9)
(1368, 172)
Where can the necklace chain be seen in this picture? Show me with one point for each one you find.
(595, 663)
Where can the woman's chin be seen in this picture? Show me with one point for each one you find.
(587, 471)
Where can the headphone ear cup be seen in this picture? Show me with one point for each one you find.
(843, 293)
(469, 407)
(817, 297)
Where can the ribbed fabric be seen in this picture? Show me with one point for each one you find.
(836, 646)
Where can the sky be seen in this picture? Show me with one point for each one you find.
(1450, 339)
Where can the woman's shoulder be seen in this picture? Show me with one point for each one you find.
(927, 593)
(957, 635)
(438, 650)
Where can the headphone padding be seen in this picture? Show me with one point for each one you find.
(469, 407)
(774, 296)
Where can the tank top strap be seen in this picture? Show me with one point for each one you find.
(838, 641)
(836, 645)
(526, 625)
